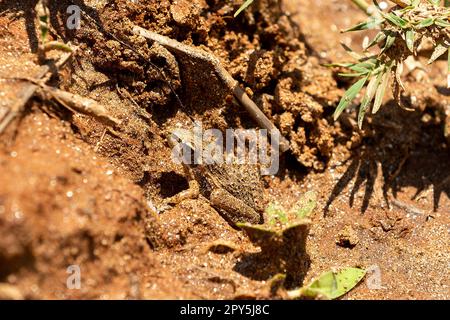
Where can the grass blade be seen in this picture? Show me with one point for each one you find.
(389, 41)
(435, 2)
(352, 53)
(366, 25)
(352, 75)
(243, 7)
(425, 23)
(441, 23)
(348, 97)
(396, 20)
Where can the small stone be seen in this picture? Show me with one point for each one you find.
(347, 238)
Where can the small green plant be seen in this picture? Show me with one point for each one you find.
(279, 216)
(283, 238)
(330, 285)
(45, 45)
(280, 222)
(402, 31)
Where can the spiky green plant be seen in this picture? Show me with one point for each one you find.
(401, 32)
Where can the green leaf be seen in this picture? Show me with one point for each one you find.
(441, 23)
(378, 38)
(55, 45)
(362, 67)
(425, 23)
(368, 96)
(381, 90)
(352, 75)
(349, 95)
(332, 285)
(366, 25)
(391, 36)
(396, 20)
(410, 39)
(243, 7)
(343, 65)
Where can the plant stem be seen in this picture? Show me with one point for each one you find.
(400, 3)
(362, 4)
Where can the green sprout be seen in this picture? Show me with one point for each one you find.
(45, 45)
(283, 225)
(402, 31)
(278, 218)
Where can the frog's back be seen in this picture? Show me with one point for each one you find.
(243, 181)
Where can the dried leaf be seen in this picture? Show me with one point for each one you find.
(368, 96)
(439, 50)
(381, 90)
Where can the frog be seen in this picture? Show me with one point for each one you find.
(234, 190)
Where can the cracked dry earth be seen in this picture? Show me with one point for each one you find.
(71, 196)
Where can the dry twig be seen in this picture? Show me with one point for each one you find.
(228, 80)
(44, 74)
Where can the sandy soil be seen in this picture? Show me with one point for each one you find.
(71, 196)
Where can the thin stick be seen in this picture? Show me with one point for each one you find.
(409, 208)
(363, 5)
(232, 84)
(44, 75)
